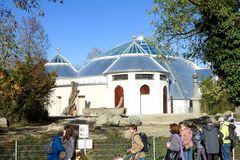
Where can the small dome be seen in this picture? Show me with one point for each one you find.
(59, 59)
(61, 66)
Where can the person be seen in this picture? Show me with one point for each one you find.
(118, 157)
(210, 137)
(197, 140)
(69, 138)
(174, 144)
(56, 146)
(186, 136)
(232, 135)
(137, 145)
(226, 143)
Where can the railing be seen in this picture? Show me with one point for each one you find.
(102, 150)
(30, 150)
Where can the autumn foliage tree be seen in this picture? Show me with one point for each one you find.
(25, 85)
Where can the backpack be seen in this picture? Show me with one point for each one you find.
(144, 140)
(232, 132)
(49, 147)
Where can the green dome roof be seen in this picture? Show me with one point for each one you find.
(138, 46)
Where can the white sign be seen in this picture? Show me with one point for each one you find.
(83, 131)
(237, 124)
(85, 143)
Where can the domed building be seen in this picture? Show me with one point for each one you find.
(131, 76)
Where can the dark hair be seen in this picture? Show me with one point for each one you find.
(60, 133)
(69, 132)
(209, 120)
(174, 128)
(133, 126)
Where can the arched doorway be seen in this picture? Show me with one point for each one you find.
(164, 99)
(119, 97)
(145, 100)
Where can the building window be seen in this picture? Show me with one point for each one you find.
(144, 76)
(120, 77)
(144, 90)
(163, 77)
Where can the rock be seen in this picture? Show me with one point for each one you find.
(3, 122)
(227, 113)
(101, 111)
(237, 111)
(54, 126)
(123, 122)
(218, 115)
(114, 121)
(135, 120)
(115, 111)
(103, 119)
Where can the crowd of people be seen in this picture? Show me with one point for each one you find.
(213, 141)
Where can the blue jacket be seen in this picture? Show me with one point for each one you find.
(197, 139)
(57, 148)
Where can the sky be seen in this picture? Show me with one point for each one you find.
(78, 26)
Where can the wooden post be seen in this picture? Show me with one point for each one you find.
(72, 107)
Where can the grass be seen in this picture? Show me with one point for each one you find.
(32, 148)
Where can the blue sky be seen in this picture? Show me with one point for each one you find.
(77, 26)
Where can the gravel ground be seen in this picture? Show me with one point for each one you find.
(152, 125)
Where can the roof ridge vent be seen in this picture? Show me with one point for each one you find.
(134, 38)
(58, 58)
(58, 51)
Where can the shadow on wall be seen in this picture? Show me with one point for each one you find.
(87, 104)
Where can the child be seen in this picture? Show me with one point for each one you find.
(197, 139)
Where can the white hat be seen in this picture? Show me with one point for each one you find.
(231, 119)
(221, 119)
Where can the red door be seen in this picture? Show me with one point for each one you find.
(119, 97)
(165, 99)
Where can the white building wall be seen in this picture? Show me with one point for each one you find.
(93, 91)
(132, 93)
(59, 100)
(95, 95)
(99, 92)
(181, 106)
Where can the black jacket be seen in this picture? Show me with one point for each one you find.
(211, 136)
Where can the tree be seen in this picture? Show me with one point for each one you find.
(25, 91)
(32, 40)
(7, 36)
(32, 5)
(94, 53)
(215, 99)
(25, 85)
(204, 29)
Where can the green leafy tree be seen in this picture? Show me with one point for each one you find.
(204, 29)
(215, 99)
(30, 6)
